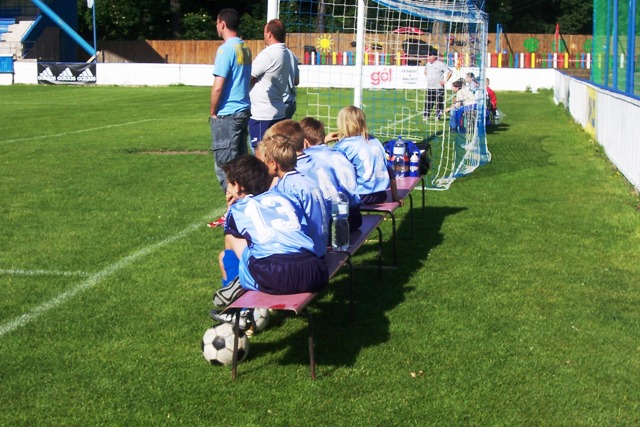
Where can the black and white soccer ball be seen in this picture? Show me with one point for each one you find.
(217, 344)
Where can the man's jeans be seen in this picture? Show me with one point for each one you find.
(229, 135)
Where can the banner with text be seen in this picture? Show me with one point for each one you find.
(66, 73)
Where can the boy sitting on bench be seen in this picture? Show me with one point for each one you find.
(279, 154)
(266, 239)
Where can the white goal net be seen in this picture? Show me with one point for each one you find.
(372, 54)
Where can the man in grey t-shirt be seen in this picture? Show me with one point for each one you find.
(274, 75)
(437, 74)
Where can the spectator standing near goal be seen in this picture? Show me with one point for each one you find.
(274, 75)
(437, 74)
(230, 104)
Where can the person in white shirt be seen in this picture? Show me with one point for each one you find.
(464, 101)
(274, 75)
(437, 74)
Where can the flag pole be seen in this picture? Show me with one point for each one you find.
(92, 5)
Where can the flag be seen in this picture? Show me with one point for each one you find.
(89, 4)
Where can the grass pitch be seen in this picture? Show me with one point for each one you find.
(516, 304)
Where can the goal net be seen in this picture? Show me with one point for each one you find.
(372, 54)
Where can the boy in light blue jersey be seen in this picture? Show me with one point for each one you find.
(329, 168)
(279, 154)
(367, 156)
(267, 234)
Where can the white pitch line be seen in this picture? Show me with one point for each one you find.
(96, 278)
(55, 135)
(17, 272)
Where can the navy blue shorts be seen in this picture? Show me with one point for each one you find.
(257, 129)
(290, 273)
(373, 198)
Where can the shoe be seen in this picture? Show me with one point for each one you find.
(225, 296)
(231, 318)
(218, 222)
(453, 130)
(438, 114)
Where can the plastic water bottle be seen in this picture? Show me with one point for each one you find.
(340, 224)
(414, 164)
(398, 157)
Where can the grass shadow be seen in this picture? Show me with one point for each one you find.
(338, 342)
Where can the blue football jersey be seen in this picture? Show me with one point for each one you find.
(273, 224)
(331, 170)
(370, 163)
(316, 209)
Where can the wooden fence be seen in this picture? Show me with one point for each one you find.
(203, 51)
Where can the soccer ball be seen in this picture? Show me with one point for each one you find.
(217, 344)
(259, 320)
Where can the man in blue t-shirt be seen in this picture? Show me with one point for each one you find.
(230, 104)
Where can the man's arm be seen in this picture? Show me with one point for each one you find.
(296, 71)
(216, 92)
(446, 78)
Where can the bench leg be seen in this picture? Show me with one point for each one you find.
(379, 252)
(312, 358)
(352, 290)
(424, 190)
(411, 215)
(236, 332)
(393, 238)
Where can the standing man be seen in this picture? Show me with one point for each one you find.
(274, 75)
(437, 74)
(230, 104)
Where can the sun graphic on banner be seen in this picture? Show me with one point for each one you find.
(324, 43)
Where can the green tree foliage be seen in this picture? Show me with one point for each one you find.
(195, 19)
(531, 16)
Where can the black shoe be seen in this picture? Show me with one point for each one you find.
(225, 296)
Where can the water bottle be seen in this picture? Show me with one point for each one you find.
(398, 157)
(340, 221)
(414, 164)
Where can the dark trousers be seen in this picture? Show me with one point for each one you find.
(434, 98)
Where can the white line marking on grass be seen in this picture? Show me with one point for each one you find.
(96, 278)
(55, 135)
(17, 272)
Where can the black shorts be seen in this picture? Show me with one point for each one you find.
(290, 273)
(373, 198)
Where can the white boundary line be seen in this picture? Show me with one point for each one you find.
(17, 272)
(55, 135)
(96, 278)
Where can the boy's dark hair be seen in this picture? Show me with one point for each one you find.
(276, 28)
(313, 130)
(230, 17)
(458, 83)
(248, 172)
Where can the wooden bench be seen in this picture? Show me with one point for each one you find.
(405, 187)
(298, 303)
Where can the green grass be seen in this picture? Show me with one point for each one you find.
(516, 304)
